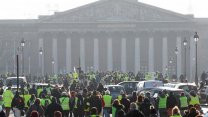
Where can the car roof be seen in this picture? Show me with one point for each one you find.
(128, 82)
(15, 77)
(113, 86)
(168, 89)
(181, 84)
(151, 81)
(42, 84)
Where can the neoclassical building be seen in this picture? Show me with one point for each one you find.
(106, 35)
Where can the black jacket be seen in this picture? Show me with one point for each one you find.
(95, 101)
(145, 108)
(33, 91)
(126, 104)
(51, 108)
(134, 113)
(18, 102)
(171, 101)
(56, 93)
(2, 114)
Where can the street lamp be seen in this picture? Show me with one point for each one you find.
(41, 53)
(196, 39)
(185, 42)
(176, 53)
(22, 44)
(53, 62)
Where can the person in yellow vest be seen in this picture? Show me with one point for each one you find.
(116, 106)
(31, 101)
(120, 95)
(44, 101)
(161, 104)
(176, 112)
(26, 98)
(64, 102)
(7, 97)
(108, 104)
(194, 99)
(183, 102)
(40, 89)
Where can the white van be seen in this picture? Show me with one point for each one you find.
(149, 84)
(13, 81)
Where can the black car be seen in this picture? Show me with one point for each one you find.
(129, 86)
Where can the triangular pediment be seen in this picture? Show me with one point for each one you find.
(115, 10)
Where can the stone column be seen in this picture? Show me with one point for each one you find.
(123, 55)
(109, 55)
(82, 54)
(96, 55)
(55, 56)
(164, 54)
(68, 55)
(192, 59)
(137, 55)
(151, 54)
(179, 62)
(41, 57)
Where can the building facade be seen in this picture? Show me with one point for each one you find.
(106, 35)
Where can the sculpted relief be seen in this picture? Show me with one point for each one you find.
(115, 11)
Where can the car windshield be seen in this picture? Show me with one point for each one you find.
(153, 84)
(115, 89)
(188, 88)
(13, 81)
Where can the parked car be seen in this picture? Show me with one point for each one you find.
(12, 81)
(149, 84)
(154, 91)
(129, 86)
(115, 90)
(185, 86)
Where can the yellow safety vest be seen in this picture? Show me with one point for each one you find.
(183, 102)
(39, 91)
(26, 99)
(64, 102)
(194, 100)
(176, 116)
(43, 102)
(48, 90)
(75, 103)
(162, 102)
(7, 97)
(119, 97)
(107, 99)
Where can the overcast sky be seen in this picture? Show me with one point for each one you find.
(24, 9)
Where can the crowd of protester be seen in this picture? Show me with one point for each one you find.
(85, 96)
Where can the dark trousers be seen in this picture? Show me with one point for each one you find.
(163, 112)
(78, 112)
(66, 113)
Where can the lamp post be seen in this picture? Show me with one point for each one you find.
(176, 53)
(41, 53)
(196, 39)
(22, 44)
(53, 62)
(170, 67)
(185, 44)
